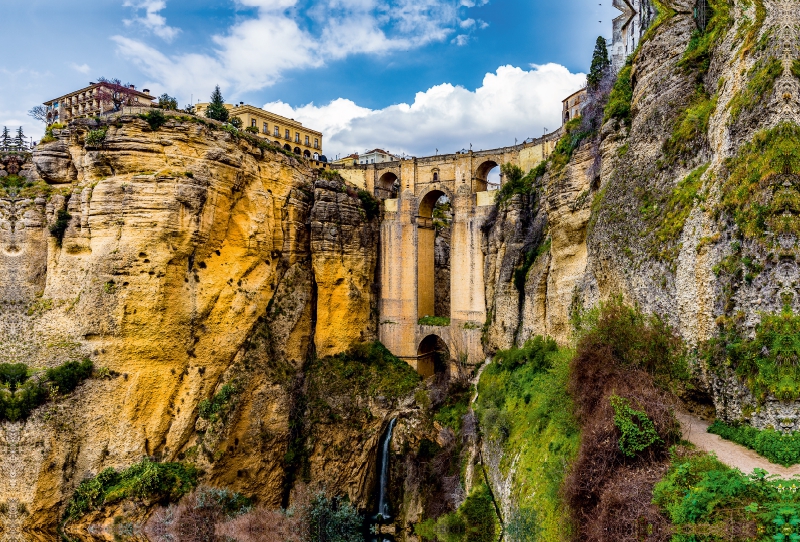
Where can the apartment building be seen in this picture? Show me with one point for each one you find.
(90, 101)
(288, 133)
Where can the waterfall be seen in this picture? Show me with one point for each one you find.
(383, 481)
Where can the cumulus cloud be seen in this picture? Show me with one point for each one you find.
(258, 49)
(510, 103)
(152, 19)
(82, 68)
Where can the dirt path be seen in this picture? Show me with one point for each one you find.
(730, 453)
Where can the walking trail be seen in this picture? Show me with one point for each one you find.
(734, 455)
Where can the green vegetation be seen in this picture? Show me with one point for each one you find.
(521, 273)
(751, 28)
(761, 82)
(155, 118)
(600, 63)
(333, 520)
(219, 405)
(474, 521)
(59, 227)
(434, 321)
(778, 447)
(524, 407)
(515, 182)
(748, 195)
(619, 101)
(796, 68)
(165, 101)
(569, 142)
(768, 363)
(691, 126)
(23, 394)
(216, 108)
(637, 432)
(146, 481)
(251, 130)
(370, 205)
(705, 499)
(697, 57)
(95, 138)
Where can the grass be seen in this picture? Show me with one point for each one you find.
(474, 521)
(146, 481)
(690, 126)
(760, 84)
(778, 447)
(522, 400)
(218, 406)
(621, 97)
(443, 321)
(697, 57)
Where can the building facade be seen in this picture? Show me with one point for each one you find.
(572, 105)
(89, 102)
(375, 156)
(628, 28)
(287, 133)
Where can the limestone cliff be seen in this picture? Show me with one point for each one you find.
(189, 257)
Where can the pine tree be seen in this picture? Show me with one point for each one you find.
(5, 140)
(19, 140)
(216, 109)
(600, 63)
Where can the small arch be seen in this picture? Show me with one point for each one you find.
(387, 185)
(297, 150)
(482, 175)
(307, 153)
(435, 176)
(432, 356)
(288, 147)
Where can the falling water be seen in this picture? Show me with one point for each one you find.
(383, 481)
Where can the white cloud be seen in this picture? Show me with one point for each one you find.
(511, 103)
(82, 68)
(257, 50)
(461, 39)
(152, 20)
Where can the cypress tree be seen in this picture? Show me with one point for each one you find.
(5, 140)
(19, 140)
(600, 63)
(216, 109)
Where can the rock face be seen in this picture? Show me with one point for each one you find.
(191, 258)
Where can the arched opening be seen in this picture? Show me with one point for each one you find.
(433, 356)
(297, 150)
(316, 156)
(307, 153)
(433, 257)
(483, 173)
(435, 176)
(287, 147)
(387, 186)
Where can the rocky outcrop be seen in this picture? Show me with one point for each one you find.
(190, 258)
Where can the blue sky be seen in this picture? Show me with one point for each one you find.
(411, 76)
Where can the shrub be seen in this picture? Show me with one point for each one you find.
(778, 447)
(211, 409)
(155, 118)
(70, 374)
(146, 481)
(434, 321)
(691, 126)
(59, 227)
(370, 205)
(536, 353)
(251, 130)
(637, 431)
(13, 374)
(95, 138)
(333, 520)
(619, 101)
(237, 123)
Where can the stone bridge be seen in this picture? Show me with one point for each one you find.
(410, 189)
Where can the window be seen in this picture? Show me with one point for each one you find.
(277, 131)
(253, 123)
(435, 175)
(288, 136)
(297, 137)
(265, 128)
(316, 143)
(306, 141)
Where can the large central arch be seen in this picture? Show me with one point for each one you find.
(426, 255)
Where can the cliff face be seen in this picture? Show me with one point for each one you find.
(190, 258)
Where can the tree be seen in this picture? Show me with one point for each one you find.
(39, 113)
(19, 140)
(5, 140)
(111, 92)
(216, 109)
(165, 101)
(600, 63)
(237, 123)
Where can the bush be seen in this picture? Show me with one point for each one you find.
(211, 409)
(13, 374)
(536, 352)
(637, 431)
(333, 520)
(251, 130)
(237, 123)
(67, 376)
(621, 97)
(778, 447)
(370, 205)
(434, 321)
(59, 227)
(95, 138)
(146, 481)
(155, 118)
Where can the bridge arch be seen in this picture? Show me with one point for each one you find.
(482, 175)
(385, 187)
(433, 356)
(433, 275)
